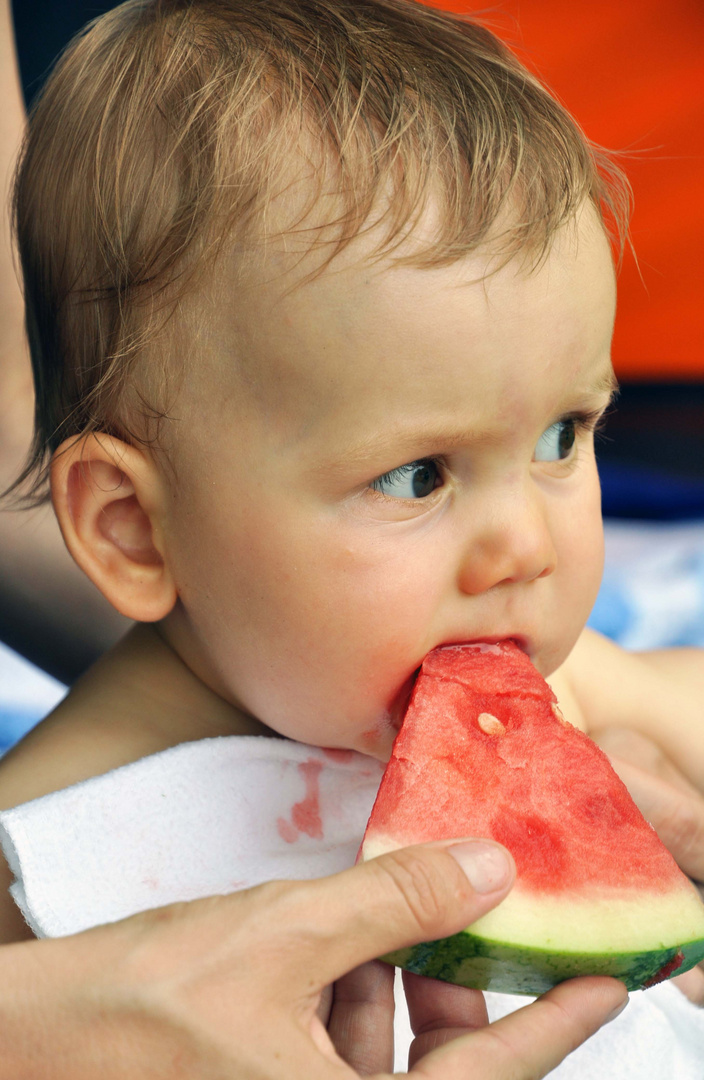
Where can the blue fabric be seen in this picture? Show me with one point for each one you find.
(26, 695)
(15, 723)
(612, 614)
(652, 594)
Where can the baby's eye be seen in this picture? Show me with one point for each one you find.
(416, 480)
(556, 443)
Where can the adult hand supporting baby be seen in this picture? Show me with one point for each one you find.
(672, 805)
(229, 988)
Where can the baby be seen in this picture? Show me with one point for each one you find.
(320, 299)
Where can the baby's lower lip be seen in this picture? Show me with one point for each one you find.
(520, 640)
(517, 639)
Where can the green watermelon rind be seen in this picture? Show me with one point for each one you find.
(466, 959)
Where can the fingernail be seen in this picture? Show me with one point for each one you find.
(617, 1011)
(487, 866)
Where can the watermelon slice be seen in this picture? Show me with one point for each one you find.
(484, 751)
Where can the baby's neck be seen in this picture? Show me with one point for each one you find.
(143, 693)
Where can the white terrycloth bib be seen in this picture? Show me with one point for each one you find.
(224, 814)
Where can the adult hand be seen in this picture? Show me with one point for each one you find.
(229, 988)
(672, 805)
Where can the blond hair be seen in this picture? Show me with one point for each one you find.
(165, 131)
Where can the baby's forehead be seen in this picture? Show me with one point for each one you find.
(301, 342)
(288, 269)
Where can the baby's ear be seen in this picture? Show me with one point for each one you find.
(109, 498)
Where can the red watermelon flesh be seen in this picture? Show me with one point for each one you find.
(484, 751)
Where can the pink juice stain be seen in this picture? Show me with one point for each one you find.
(305, 815)
(286, 830)
(337, 754)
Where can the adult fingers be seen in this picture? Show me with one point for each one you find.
(531, 1042)
(361, 1024)
(399, 899)
(361, 1021)
(440, 1012)
(691, 985)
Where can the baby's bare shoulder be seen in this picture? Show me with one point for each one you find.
(109, 718)
(63, 749)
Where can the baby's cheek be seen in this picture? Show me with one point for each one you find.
(582, 571)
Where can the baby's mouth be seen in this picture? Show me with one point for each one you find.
(400, 703)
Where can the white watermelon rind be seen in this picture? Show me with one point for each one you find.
(533, 941)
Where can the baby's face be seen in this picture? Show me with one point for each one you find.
(389, 459)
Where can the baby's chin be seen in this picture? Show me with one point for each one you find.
(551, 657)
(375, 740)
(372, 735)
(378, 739)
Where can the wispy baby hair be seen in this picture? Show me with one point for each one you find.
(169, 126)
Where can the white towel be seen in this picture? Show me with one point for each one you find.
(201, 818)
(222, 814)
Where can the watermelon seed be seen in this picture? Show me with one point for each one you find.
(490, 725)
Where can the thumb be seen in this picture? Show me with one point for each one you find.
(401, 898)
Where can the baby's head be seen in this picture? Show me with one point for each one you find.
(320, 302)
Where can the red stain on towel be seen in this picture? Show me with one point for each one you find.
(305, 815)
(337, 753)
(286, 830)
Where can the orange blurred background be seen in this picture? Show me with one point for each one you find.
(632, 73)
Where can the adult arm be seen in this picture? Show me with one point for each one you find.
(230, 988)
(49, 611)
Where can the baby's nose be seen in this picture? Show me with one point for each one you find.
(514, 544)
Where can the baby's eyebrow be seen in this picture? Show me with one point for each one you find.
(416, 442)
(596, 392)
(606, 384)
